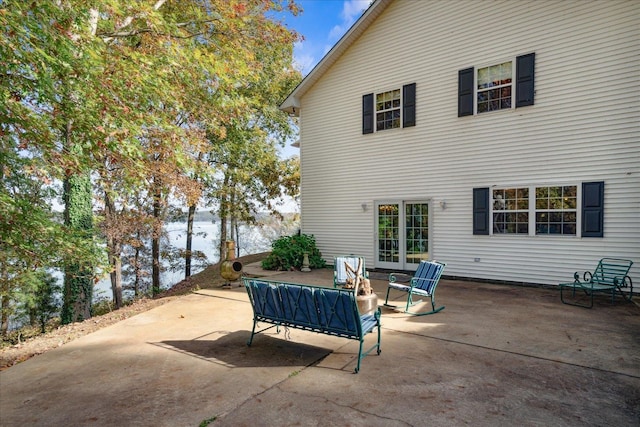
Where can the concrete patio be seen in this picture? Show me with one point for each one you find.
(497, 355)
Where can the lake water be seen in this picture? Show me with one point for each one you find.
(206, 239)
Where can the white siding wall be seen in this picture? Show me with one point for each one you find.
(584, 126)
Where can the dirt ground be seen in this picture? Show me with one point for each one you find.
(208, 278)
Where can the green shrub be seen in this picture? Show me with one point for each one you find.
(287, 252)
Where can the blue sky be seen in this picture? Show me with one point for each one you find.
(322, 23)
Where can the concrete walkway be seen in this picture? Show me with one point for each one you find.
(496, 356)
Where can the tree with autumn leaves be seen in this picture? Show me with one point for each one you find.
(114, 108)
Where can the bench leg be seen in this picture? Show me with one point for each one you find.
(253, 331)
(361, 355)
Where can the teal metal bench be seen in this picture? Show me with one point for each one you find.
(311, 308)
(610, 276)
(423, 283)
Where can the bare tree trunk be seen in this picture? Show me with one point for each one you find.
(4, 287)
(137, 269)
(233, 221)
(114, 252)
(4, 317)
(155, 245)
(224, 213)
(237, 239)
(187, 259)
(223, 237)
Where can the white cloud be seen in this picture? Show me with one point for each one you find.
(306, 55)
(303, 61)
(351, 10)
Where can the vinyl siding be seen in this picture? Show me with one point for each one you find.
(584, 126)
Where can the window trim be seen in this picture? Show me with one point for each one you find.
(522, 84)
(492, 211)
(408, 93)
(476, 69)
(590, 209)
(532, 210)
(562, 210)
(388, 110)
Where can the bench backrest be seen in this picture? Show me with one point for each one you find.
(427, 275)
(315, 307)
(340, 271)
(609, 269)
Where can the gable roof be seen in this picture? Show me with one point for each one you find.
(291, 104)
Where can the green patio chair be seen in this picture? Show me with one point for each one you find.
(610, 276)
(423, 284)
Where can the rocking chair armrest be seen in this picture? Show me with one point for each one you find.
(420, 280)
(393, 277)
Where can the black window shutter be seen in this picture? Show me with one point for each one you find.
(593, 209)
(525, 70)
(409, 105)
(465, 92)
(481, 211)
(367, 113)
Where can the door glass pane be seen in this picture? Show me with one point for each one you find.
(388, 232)
(417, 232)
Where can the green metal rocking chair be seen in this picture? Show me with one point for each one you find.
(423, 284)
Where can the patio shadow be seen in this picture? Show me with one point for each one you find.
(230, 349)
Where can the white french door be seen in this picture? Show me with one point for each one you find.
(402, 234)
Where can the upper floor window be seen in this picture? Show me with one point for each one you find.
(389, 110)
(496, 87)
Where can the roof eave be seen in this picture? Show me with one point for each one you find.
(291, 104)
